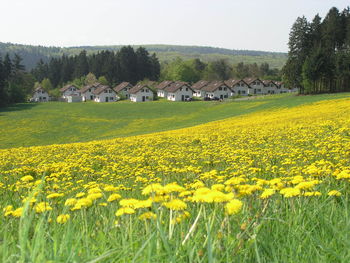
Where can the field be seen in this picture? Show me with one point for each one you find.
(266, 181)
(50, 123)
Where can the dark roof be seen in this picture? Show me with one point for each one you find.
(214, 85)
(164, 84)
(93, 86)
(100, 89)
(137, 88)
(250, 80)
(200, 84)
(39, 88)
(233, 82)
(266, 82)
(67, 87)
(177, 85)
(122, 86)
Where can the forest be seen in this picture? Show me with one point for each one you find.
(319, 53)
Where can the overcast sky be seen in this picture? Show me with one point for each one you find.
(233, 24)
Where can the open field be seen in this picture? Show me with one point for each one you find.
(270, 184)
(54, 122)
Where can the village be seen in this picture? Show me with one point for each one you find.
(170, 90)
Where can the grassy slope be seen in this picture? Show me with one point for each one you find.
(49, 123)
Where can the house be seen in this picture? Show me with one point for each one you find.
(270, 87)
(141, 92)
(257, 85)
(197, 88)
(40, 95)
(179, 91)
(160, 88)
(104, 94)
(69, 90)
(283, 89)
(87, 91)
(238, 87)
(123, 89)
(217, 89)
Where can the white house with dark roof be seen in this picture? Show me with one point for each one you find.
(198, 88)
(217, 89)
(69, 90)
(123, 89)
(141, 92)
(179, 91)
(161, 88)
(238, 87)
(87, 91)
(40, 95)
(104, 94)
(257, 86)
(270, 87)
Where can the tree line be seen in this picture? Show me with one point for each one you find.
(319, 53)
(193, 70)
(15, 83)
(123, 65)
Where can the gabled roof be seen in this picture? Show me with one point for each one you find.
(214, 85)
(39, 88)
(137, 88)
(266, 82)
(164, 84)
(122, 86)
(233, 82)
(200, 84)
(177, 85)
(251, 80)
(67, 87)
(87, 87)
(100, 89)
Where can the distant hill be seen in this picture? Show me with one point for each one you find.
(32, 54)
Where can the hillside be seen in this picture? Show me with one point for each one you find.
(57, 122)
(32, 54)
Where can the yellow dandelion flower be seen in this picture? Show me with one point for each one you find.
(62, 219)
(267, 193)
(125, 210)
(334, 193)
(70, 202)
(54, 195)
(147, 215)
(233, 207)
(290, 192)
(176, 204)
(42, 207)
(27, 178)
(113, 197)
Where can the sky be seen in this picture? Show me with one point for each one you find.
(233, 24)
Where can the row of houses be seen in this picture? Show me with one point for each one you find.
(171, 90)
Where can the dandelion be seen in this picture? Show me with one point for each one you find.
(42, 207)
(113, 197)
(233, 207)
(176, 204)
(62, 219)
(147, 215)
(334, 193)
(124, 210)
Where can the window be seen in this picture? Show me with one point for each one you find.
(105, 91)
(243, 91)
(220, 88)
(186, 89)
(146, 90)
(180, 89)
(142, 90)
(111, 98)
(89, 90)
(110, 91)
(225, 88)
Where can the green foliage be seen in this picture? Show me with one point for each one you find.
(103, 80)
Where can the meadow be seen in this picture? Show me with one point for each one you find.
(57, 122)
(269, 185)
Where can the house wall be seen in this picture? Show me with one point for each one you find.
(241, 89)
(270, 89)
(138, 96)
(125, 92)
(40, 96)
(70, 92)
(71, 99)
(87, 95)
(162, 93)
(199, 93)
(108, 93)
(257, 88)
(177, 96)
(224, 93)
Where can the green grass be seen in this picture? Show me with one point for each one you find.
(57, 122)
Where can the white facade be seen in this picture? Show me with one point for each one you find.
(181, 94)
(71, 91)
(144, 94)
(88, 95)
(241, 89)
(199, 93)
(162, 93)
(107, 95)
(71, 99)
(222, 92)
(257, 87)
(40, 95)
(270, 88)
(125, 92)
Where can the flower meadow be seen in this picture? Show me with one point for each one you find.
(271, 186)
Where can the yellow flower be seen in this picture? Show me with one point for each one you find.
(147, 215)
(153, 188)
(70, 202)
(82, 203)
(131, 202)
(233, 207)
(27, 178)
(102, 204)
(18, 212)
(42, 207)
(113, 197)
(267, 193)
(173, 187)
(62, 219)
(176, 204)
(124, 210)
(290, 192)
(54, 195)
(334, 193)
(78, 195)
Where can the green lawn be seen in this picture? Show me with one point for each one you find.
(58, 122)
